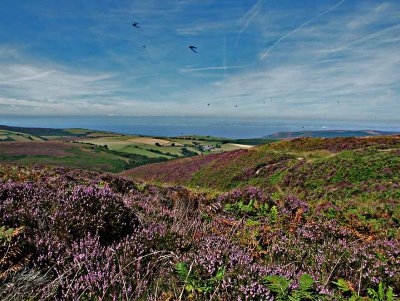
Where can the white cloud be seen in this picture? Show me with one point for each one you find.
(40, 83)
(26, 78)
(348, 54)
(324, 63)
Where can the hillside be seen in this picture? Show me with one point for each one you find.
(256, 165)
(327, 134)
(6, 135)
(50, 133)
(74, 235)
(68, 154)
(361, 176)
(167, 147)
(103, 151)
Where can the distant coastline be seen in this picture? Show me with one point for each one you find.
(175, 126)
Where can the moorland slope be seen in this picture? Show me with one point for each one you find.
(75, 235)
(358, 176)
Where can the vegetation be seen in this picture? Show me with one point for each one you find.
(71, 235)
(169, 148)
(16, 136)
(100, 151)
(357, 179)
(307, 219)
(72, 155)
(39, 132)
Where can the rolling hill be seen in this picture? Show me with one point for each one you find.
(69, 154)
(104, 151)
(7, 135)
(359, 175)
(256, 165)
(50, 133)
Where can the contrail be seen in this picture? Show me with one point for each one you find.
(212, 68)
(248, 17)
(362, 39)
(277, 42)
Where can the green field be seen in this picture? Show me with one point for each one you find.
(68, 154)
(101, 151)
(6, 135)
(162, 147)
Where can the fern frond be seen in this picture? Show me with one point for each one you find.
(306, 282)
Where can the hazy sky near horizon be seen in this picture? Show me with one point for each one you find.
(309, 59)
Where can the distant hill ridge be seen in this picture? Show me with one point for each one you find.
(38, 131)
(328, 134)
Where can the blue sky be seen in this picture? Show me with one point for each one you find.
(271, 58)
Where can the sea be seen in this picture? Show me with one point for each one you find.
(170, 126)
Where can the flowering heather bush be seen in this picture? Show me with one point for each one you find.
(244, 195)
(68, 214)
(301, 241)
(69, 235)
